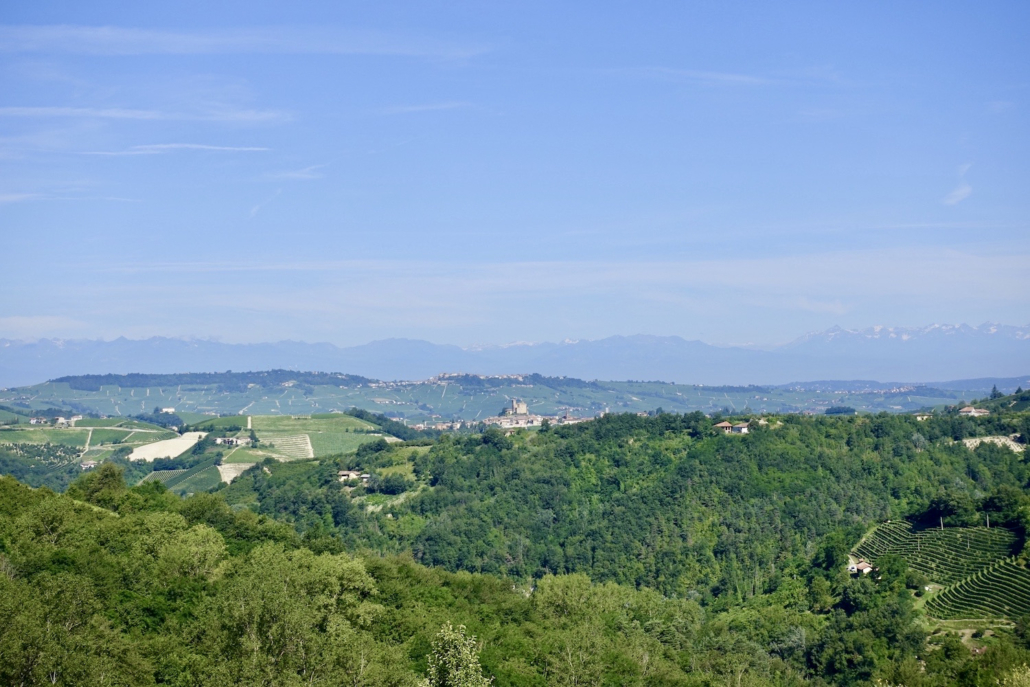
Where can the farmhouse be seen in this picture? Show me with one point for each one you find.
(863, 567)
(38, 421)
(60, 421)
(970, 411)
(922, 417)
(347, 475)
(168, 410)
(725, 427)
(88, 464)
(740, 428)
(232, 441)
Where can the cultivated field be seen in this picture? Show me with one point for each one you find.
(296, 437)
(93, 442)
(982, 580)
(1001, 590)
(945, 556)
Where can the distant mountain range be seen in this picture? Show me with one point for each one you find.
(916, 355)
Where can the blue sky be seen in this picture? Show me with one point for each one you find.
(493, 172)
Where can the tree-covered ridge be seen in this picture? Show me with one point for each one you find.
(115, 586)
(684, 556)
(665, 502)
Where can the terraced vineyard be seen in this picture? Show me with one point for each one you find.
(162, 475)
(1001, 590)
(296, 447)
(945, 556)
(199, 481)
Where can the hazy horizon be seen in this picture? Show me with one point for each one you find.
(481, 175)
(504, 344)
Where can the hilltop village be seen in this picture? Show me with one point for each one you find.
(514, 416)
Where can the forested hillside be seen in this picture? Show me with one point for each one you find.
(625, 551)
(665, 502)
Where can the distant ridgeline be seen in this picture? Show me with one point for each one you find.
(468, 397)
(224, 381)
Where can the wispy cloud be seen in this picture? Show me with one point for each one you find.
(257, 208)
(962, 191)
(430, 107)
(220, 115)
(301, 174)
(115, 40)
(819, 114)
(698, 76)
(6, 198)
(999, 106)
(161, 148)
(33, 326)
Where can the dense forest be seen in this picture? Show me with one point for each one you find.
(624, 551)
(664, 502)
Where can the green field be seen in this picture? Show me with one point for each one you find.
(328, 434)
(7, 416)
(251, 455)
(334, 422)
(192, 418)
(328, 444)
(124, 436)
(26, 435)
(287, 437)
(115, 422)
(945, 556)
(223, 422)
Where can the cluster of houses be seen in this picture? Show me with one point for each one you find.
(58, 421)
(514, 416)
(730, 428)
(517, 416)
(232, 441)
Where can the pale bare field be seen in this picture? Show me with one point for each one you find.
(169, 448)
(1007, 442)
(230, 471)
